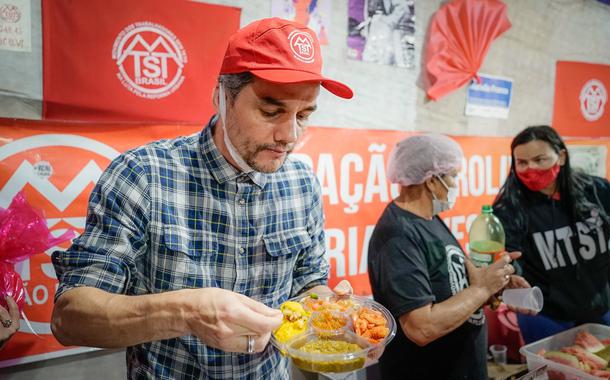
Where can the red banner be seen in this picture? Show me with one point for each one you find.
(117, 60)
(57, 165)
(581, 99)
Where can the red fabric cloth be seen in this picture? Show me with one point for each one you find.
(460, 35)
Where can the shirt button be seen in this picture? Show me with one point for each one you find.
(242, 202)
(242, 250)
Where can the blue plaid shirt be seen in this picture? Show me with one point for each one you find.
(175, 214)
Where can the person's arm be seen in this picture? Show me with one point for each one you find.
(97, 272)
(432, 321)
(87, 316)
(12, 315)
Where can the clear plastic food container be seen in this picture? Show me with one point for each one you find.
(556, 342)
(343, 334)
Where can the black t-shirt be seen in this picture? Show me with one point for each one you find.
(569, 262)
(414, 262)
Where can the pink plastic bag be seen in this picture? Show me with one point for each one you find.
(11, 285)
(23, 233)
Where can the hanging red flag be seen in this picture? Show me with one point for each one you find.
(460, 35)
(137, 60)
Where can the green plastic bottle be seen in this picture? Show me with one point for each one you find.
(486, 237)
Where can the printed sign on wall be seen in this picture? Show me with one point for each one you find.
(489, 96)
(155, 60)
(581, 99)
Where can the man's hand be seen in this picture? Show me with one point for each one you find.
(9, 321)
(343, 288)
(224, 319)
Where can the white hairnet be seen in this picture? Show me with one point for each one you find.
(417, 158)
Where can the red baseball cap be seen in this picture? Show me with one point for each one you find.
(279, 51)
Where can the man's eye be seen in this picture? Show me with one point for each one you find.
(269, 113)
(303, 117)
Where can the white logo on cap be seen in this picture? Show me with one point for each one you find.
(301, 44)
(593, 99)
(150, 59)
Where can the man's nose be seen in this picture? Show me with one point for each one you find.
(287, 131)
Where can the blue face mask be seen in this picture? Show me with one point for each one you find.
(439, 205)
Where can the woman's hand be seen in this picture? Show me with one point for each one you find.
(518, 282)
(495, 277)
(9, 321)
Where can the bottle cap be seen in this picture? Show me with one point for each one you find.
(487, 209)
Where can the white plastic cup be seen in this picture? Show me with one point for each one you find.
(525, 298)
(498, 352)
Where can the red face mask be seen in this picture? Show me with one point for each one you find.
(538, 179)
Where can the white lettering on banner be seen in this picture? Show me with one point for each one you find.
(327, 177)
(477, 175)
(351, 198)
(338, 249)
(376, 181)
(549, 248)
(455, 222)
(150, 59)
(342, 188)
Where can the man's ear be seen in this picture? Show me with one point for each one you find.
(215, 94)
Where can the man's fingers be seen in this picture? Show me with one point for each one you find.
(343, 288)
(259, 307)
(254, 321)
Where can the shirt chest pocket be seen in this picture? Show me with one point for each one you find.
(287, 243)
(196, 245)
(185, 259)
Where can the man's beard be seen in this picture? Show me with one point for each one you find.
(250, 156)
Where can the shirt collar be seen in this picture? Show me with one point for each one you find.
(221, 169)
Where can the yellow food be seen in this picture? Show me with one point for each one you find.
(324, 346)
(294, 323)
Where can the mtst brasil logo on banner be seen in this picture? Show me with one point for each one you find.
(133, 60)
(581, 100)
(150, 60)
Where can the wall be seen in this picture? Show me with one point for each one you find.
(543, 31)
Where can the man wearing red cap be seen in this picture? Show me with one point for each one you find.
(192, 244)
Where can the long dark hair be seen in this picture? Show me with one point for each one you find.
(570, 184)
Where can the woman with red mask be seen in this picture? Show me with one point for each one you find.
(558, 219)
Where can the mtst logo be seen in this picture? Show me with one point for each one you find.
(150, 59)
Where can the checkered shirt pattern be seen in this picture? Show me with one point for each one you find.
(175, 214)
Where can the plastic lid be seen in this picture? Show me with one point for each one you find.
(487, 209)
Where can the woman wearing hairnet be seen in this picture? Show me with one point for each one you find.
(419, 272)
